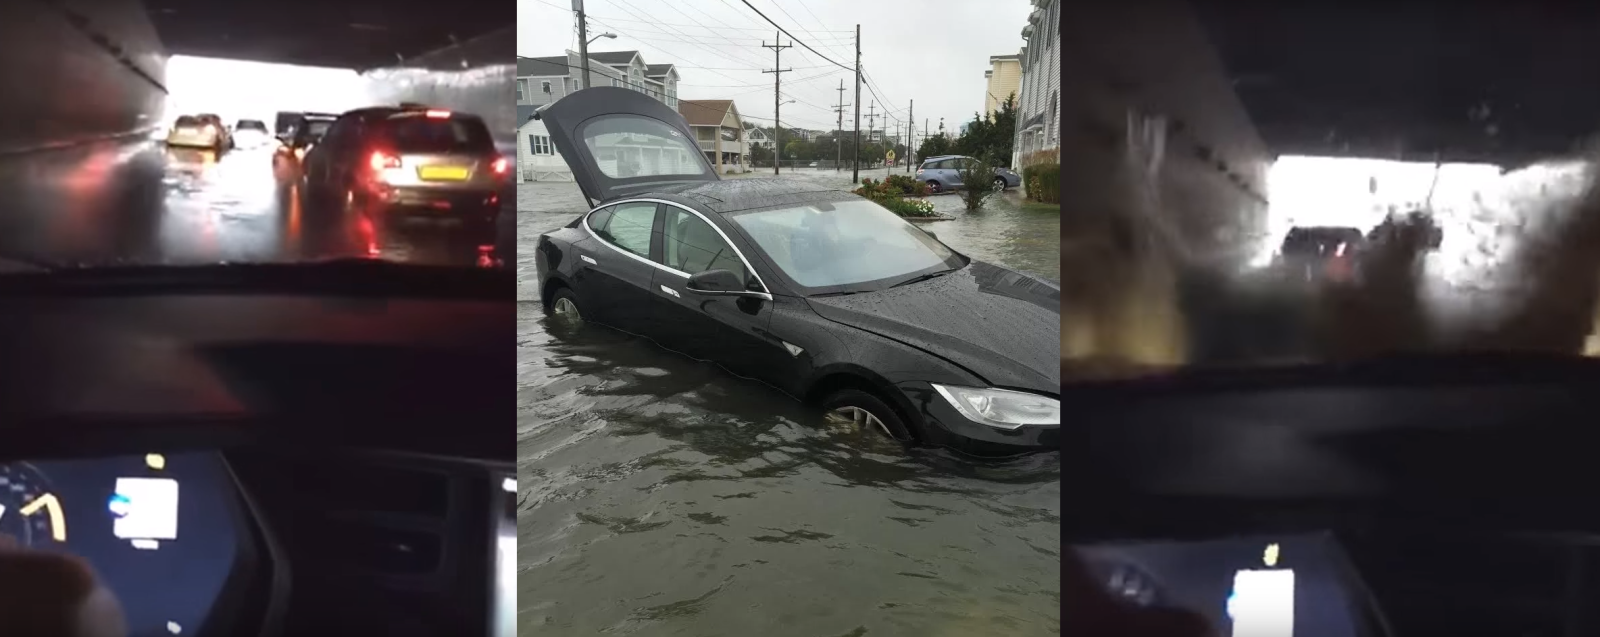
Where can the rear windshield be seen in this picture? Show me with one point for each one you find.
(413, 134)
(188, 120)
(1307, 241)
(250, 124)
(316, 127)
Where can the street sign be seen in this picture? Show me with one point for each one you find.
(888, 158)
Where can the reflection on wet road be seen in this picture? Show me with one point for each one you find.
(661, 496)
(122, 203)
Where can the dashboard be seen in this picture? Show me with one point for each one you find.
(237, 542)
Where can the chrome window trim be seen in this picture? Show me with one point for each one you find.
(766, 292)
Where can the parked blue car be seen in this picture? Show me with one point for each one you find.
(944, 173)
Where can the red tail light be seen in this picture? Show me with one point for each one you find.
(438, 115)
(381, 160)
(501, 165)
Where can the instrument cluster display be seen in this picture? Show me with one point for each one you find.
(162, 531)
(1247, 587)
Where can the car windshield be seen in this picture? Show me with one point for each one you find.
(210, 161)
(844, 244)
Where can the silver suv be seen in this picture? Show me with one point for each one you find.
(409, 161)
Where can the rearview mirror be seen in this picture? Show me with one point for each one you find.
(716, 282)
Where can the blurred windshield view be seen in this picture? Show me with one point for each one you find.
(1261, 185)
(172, 161)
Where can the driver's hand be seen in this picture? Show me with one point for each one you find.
(1091, 610)
(54, 595)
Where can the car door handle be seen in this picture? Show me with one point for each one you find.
(587, 260)
(671, 291)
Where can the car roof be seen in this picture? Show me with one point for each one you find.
(734, 195)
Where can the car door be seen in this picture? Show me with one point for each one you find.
(622, 143)
(614, 269)
(952, 171)
(732, 331)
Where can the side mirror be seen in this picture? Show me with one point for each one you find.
(716, 282)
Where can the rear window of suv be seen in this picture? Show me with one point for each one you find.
(187, 121)
(412, 134)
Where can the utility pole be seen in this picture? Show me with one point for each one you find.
(894, 141)
(777, 49)
(870, 119)
(838, 135)
(583, 42)
(855, 171)
(911, 138)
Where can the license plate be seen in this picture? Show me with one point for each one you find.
(442, 173)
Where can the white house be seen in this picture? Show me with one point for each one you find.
(1039, 99)
(537, 159)
(544, 80)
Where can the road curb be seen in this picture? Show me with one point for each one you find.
(59, 146)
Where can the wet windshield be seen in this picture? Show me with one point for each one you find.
(843, 244)
(188, 160)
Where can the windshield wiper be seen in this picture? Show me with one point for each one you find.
(923, 277)
(834, 294)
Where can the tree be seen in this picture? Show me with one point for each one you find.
(933, 147)
(991, 136)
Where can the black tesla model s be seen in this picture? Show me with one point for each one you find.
(821, 293)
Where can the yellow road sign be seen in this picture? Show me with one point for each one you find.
(888, 157)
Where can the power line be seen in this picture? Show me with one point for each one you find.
(791, 35)
(762, 29)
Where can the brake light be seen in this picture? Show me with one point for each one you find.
(501, 166)
(380, 161)
(438, 114)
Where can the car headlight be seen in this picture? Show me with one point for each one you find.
(1002, 408)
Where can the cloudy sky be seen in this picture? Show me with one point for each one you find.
(931, 51)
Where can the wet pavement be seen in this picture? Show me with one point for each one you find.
(141, 203)
(661, 496)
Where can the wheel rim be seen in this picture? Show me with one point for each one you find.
(861, 418)
(934, 186)
(566, 309)
(1000, 182)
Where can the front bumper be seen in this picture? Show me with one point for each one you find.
(942, 426)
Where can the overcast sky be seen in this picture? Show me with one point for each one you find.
(931, 51)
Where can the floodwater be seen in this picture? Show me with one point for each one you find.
(661, 496)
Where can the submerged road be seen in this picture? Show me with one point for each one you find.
(142, 203)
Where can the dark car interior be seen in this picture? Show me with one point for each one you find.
(1410, 496)
(274, 449)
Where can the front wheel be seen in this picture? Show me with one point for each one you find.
(999, 183)
(866, 412)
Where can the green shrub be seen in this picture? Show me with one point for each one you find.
(891, 196)
(1042, 182)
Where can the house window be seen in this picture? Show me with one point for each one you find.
(540, 145)
(545, 86)
(522, 90)
(616, 82)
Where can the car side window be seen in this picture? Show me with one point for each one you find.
(692, 245)
(598, 219)
(629, 227)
